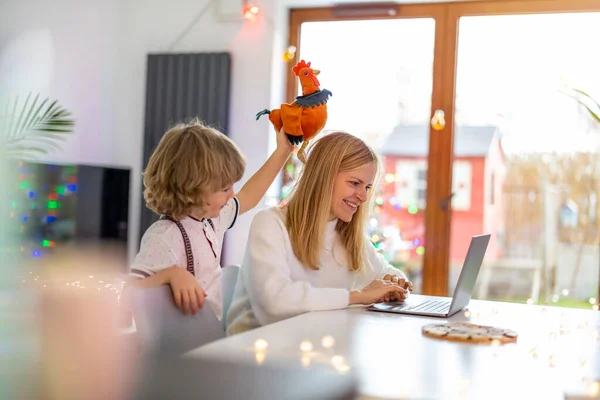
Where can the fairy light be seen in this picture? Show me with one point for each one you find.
(529, 301)
(339, 364)
(289, 55)
(592, 300)
(390, 178)
(464, 387)
(337, 360)
(305, 360)
(595, 307)
(260, 345)
(533, 351)
(306, 346)
(250, 12)
(328, 341)
(565, 292)
(468, 314)
(343, 368)
(260, 357)
(584, 364)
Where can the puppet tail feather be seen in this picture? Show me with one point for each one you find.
(302, 152)
(263, 112)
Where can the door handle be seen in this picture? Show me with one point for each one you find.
(446, 201)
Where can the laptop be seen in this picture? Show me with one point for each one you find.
(434, 306)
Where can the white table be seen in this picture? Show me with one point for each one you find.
(557, 354)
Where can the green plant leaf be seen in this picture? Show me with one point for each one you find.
(586, 101)
(34, 128)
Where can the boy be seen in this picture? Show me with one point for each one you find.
(189, 182)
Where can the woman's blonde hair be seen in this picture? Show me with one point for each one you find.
(308, 211)
(191, 161)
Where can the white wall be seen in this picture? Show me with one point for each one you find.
(91, 55)
(147, 30)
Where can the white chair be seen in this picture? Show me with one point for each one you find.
(165, 330)
(229, 280)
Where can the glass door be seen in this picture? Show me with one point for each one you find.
(526, 153)
(380, 70)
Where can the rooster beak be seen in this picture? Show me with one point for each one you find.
(316, 72)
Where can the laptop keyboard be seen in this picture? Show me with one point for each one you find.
(431, 306)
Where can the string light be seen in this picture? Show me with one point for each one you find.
(533, 351)
(339, 364)
(305, 360)
(260, 345)
(289, 54)
(260, 357)
(250, 12)
(464, 387)
(337, 360)
(328, 341)
(306, 346)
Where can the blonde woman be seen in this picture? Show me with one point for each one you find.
(313, 253)
(189, 183)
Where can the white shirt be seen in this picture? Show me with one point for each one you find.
(162, 247)
(273, 285)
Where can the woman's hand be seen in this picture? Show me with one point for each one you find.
(376, 292)
(400, 282)
(188, 295)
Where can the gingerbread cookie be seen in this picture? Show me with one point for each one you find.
(466, 332)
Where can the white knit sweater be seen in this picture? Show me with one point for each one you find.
(273, 285)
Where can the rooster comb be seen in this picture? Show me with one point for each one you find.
(300, 65)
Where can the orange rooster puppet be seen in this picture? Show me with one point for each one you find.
(306, 116)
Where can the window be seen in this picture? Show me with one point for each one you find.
(492, 189)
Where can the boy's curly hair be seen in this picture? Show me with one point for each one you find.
(191, 161)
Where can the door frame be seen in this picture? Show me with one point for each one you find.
(441, 143)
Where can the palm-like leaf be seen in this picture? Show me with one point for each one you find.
(33, 129)
(586, 101)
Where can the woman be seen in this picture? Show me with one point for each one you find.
(313, 254)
